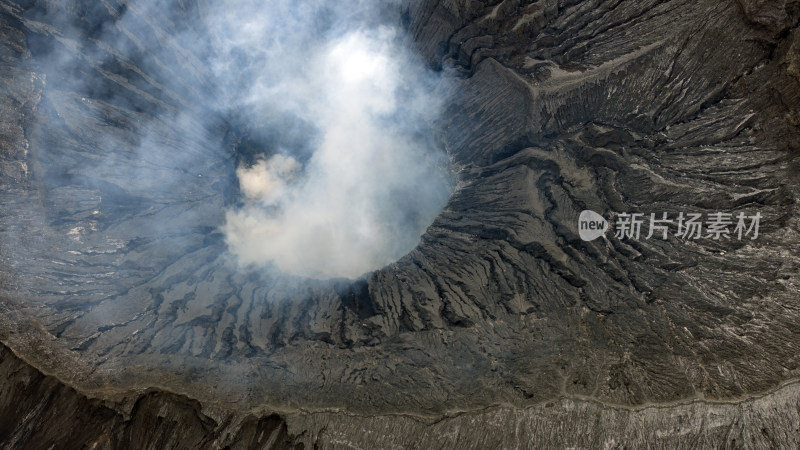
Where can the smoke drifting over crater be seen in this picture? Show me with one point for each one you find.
(327, 111)
(373, 180)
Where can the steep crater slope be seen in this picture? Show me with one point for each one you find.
(649, 107)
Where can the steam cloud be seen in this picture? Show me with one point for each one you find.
(372, 180)
(338, 170)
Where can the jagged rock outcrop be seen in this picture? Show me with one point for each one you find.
(38, 411)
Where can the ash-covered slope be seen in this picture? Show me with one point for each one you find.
(113, 281)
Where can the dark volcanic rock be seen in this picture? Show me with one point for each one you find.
(40, 412)
(557, 107)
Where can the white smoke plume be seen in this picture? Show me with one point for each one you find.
(339, 174)
(373, 180)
